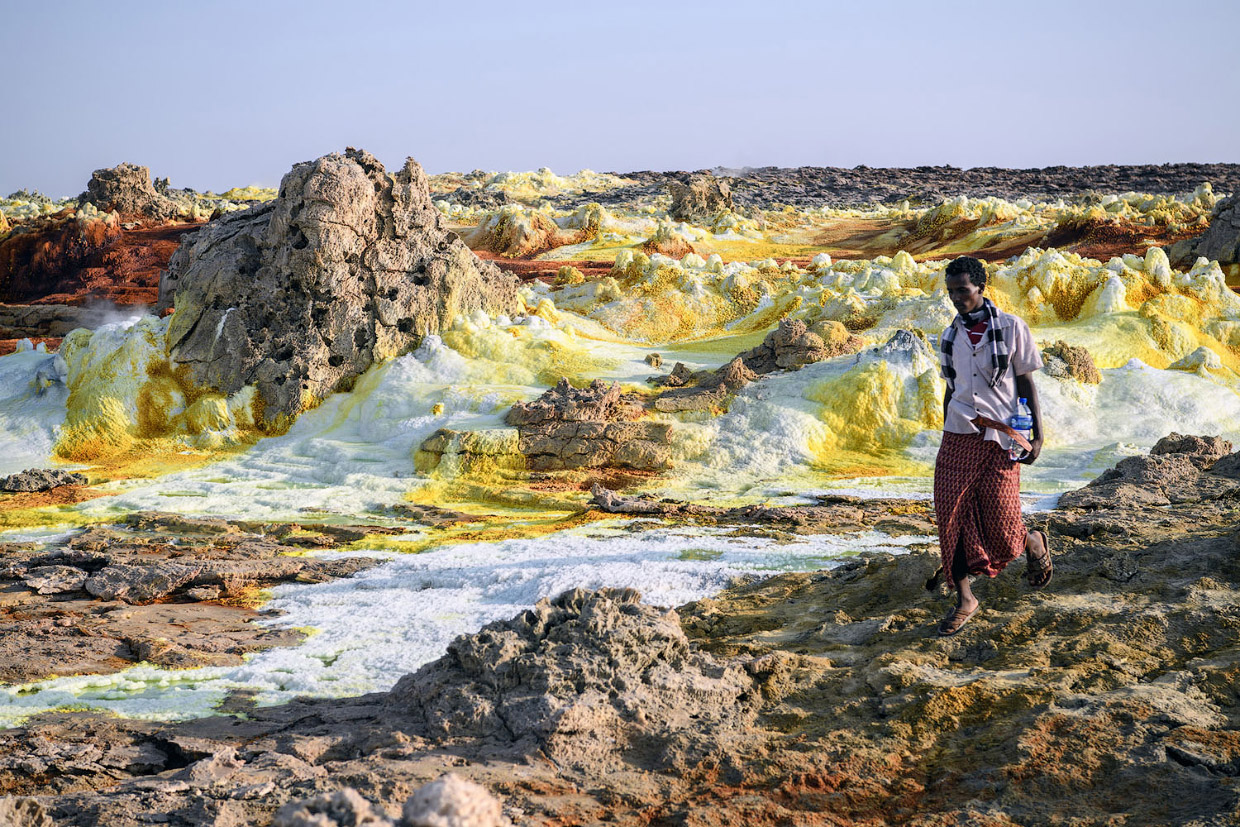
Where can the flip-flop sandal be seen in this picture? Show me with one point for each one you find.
(955, 621)
(1039, 568)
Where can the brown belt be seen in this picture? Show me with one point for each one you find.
(994, 424)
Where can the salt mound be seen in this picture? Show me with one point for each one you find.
(584, 678)
(348, 266)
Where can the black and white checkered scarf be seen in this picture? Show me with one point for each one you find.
(993, 335)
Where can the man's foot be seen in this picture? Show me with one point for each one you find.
(1038, 566)
(956, 619)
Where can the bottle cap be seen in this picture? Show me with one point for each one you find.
(1023, 400)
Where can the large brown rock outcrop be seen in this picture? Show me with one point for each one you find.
(127, 189)
(348, 266)
(793, 345)
(594, 427)
(790, 346)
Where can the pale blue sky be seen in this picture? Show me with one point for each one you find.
(228, 93)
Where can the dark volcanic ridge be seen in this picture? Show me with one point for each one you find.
(767, 187)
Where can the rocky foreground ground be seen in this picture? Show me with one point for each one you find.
(824, 698)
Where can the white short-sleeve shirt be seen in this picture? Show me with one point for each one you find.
(973, 365)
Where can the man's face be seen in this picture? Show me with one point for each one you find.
(965, 295)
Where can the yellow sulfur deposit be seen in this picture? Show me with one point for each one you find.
(251, 193)
(485, 455)
(125, 399)
(871, 412)
(523, 355)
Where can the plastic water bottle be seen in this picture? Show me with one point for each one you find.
(1022, 423)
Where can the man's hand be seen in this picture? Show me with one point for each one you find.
(1026, 388)
(1035, 448)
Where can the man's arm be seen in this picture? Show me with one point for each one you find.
(1025, 388)
(947, 398)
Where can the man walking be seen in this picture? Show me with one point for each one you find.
(987, 359)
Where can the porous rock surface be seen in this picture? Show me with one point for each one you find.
(805, 698)
(1220, 242)
(40, 479)
(1178, 469)
(453, 801)
(20, 811)
(127, 188)
(450, 801)
(342, 808)
(699, 197)
(592, 427)
(299, 296)
(585, 679)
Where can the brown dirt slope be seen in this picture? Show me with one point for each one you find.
(57, 260)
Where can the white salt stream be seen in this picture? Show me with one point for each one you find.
(370, 629)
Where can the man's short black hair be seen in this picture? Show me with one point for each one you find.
(971, 267)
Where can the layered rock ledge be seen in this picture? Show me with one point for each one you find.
(110, 596)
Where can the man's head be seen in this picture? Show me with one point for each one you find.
(966, 279)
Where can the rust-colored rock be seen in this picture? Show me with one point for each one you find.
(63, 260)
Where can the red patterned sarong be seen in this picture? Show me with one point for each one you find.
(977, 504)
